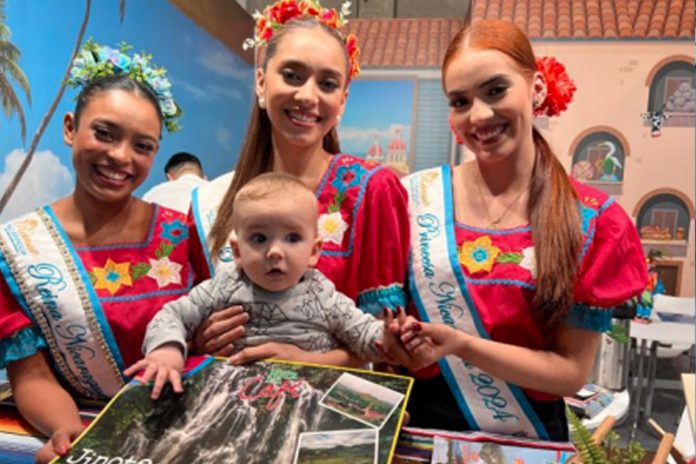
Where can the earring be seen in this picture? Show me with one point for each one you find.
(539, 100)
(338, 119)
(262, 103)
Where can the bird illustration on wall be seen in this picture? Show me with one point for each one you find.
(610, 163)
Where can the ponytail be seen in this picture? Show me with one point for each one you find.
(556, 233)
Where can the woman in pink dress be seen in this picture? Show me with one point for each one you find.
(302, 88)
(82, 277)
(517, 266)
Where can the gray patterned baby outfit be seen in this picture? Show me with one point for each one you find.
(311, 315)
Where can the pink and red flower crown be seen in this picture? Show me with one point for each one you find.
(282, 11)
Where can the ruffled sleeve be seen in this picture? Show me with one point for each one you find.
(612, 268)
(18, 337)
(384, 254)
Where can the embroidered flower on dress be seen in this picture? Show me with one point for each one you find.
(478, 255)
(174, 231)
(332, 227)
(112, 276)
(348, 176)
(587, 215)
(529, 261)
(164, 272)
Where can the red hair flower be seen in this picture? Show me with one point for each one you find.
(353, 56)
(560, 87)
(283, 11)
(329, 16)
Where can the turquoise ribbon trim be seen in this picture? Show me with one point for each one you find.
(21, 345)
(592, 318)
(374, 301)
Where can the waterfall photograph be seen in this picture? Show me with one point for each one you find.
(245, 414)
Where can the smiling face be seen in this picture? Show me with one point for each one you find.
(114, 144)
(276, 239)
(304, 86)
(492, 103)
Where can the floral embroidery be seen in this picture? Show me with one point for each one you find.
(332, 227)
(482, 255)
(174, 231)
(348, 176)
(529, 261)
(587, 215)
(478, 255)
(112, 276)
(164, 271)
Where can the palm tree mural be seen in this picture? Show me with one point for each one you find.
(10, 71)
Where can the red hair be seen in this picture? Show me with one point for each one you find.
(552, 207)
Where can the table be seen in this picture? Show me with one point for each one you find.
(648, 338)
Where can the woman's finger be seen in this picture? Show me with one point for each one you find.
(224, 340)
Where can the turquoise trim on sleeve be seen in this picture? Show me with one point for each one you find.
(374, 301)
(592, 318)
(21, 345)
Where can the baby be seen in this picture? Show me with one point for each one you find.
(275, 247)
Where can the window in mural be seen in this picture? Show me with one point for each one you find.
(664, 217)
(672, 94)
(599, 157)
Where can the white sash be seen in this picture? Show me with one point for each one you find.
(50, 283)
(439, 292)
(205, 201)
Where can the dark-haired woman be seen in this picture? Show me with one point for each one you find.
(81, 278)
(301, 88)
(515, 266)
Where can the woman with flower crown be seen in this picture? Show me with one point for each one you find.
(302, 87)
(515, 266)
(82, 277)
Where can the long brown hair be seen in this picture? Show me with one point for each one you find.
(553, 204)
(256, 156)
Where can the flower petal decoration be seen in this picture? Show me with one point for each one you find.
(332, 227)
(282, 11)
(479, 255)
(559, 87)
(96, 60)
(529, 261)
(165, 272)
(348, 176)
(112, 276)
(174, 231)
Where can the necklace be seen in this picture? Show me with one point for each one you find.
(493, 223)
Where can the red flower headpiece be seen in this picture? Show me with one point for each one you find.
(560, 87)
(282, 11)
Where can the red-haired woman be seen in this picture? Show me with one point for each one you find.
(516, 266)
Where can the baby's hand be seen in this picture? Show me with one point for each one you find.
(163, 364)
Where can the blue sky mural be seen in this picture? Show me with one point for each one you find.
(212, 85)
(376, 107)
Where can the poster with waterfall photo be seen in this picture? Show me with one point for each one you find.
(266, 413)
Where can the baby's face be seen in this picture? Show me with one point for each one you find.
(277, 242)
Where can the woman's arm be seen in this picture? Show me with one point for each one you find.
(32, 379)
(562, 370)
(45, 404)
